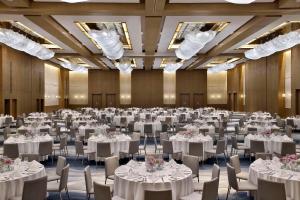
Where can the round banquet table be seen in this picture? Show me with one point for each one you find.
(36, 130)
(196, 129)
(76, 123)
(117, 119)
(163, 118)
(11, 183)
(28, 145)
(98, 129)
(271, 170)
(132, 180)
(139, 126)
(117, 143)
(181, 143)
(272, 143)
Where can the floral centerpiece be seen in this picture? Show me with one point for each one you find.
(291, 162)
(154, 162)
(6, 164)
(266, 133)
(186, 134)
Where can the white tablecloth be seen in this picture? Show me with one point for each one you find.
(11, 183)
(28, 145)
(195, 129)
(272, 143)
(132, 180)
(36, 130)
(117, 119)
(163, 118)
(139, 126)
(270, 170)
(181, 143)
(98, 129)
(117, 144)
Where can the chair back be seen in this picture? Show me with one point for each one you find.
(220, 146)
(164, 127)
(167, 147)
(63, 142)
(288, 148)
(257, 146)
(263, 156)
(290, 122)
(61, 163)
(130, 127)
(136, 136)
(103, 149)
(88, 132)
(210, 189)
(44, 130)
(235, 163)
(35, 189)
(232, 181)
(11, 150)
(79, 147)
(148, 129)
(162, 194)
(215, 171)
(88, 179)
(102, 192)
(134, 146)
(45, 148)
(289, 131)
(196, 149)
(268, 190)
(111, 164)
(234, 142)
(192, 162)
(6, 132)
(64, 178)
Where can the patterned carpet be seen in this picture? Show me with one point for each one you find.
(76, 183)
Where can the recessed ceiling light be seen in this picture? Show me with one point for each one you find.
(240, 1)
(73, 1)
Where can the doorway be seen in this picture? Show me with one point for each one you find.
(184, 100)
(110, 100)
(198, 100)
(97, 100)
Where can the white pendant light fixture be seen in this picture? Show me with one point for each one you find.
(20, 42)
(240, 1)
(73, 67)
(124, 66)
(172, 66)
(193, 42)
(280, 43)
(221, 67)
(73, 1)
(110, 43)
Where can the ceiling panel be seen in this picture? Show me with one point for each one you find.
(97, 1)
(212, 1)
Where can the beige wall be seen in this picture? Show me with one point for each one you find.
(78, 88)
(217, 88)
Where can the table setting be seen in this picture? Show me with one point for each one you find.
(118, 142)
(181, 141)
(272, 142)
(13, 173)
(133, 178)
(99, 129)
(285, 170)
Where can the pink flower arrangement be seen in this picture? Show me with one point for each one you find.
(186, 133)
(289, 158)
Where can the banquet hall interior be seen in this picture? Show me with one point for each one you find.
(150, 99)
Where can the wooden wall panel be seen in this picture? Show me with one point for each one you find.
(147, 88)
(104, 82)
(22, 79)
(256, 91)
(191, 82)
(295, 71)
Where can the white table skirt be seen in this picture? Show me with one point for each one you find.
(28, 146)
(292, 184)
(134, 190)
(116, 145)
(98, 130)
(271, 145)
(14, 186)
(182, 144)
(139, 126)
(117, 119)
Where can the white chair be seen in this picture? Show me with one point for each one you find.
(235, 162)
(62, 183)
